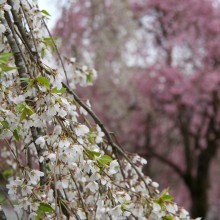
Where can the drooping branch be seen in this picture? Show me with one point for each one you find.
(106, 132)
(57, 51)
(15, 49)
(22, 71)
(18, 23)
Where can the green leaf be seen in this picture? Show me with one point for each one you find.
(49, 42)
(4, 57)
(16, 135)
(5, 67)
(20, 106)
(2, 198)
(163, 197)
(42, 53)
(26, 79)
(30, 84)
(91, 137)
(43, 81)
(44, 207)
(55, 90)
(4, 124)
(23, 115)
(89, 78)
(8, 172)
(25, 110)
(167, 197)
(92, 133)
(30, 111)
(59, 100)
(45, 12)
(105, 159)
(92, 153)
(47, 167)
(168, 218)
(50, 39)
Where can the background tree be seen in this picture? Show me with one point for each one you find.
(168, 86)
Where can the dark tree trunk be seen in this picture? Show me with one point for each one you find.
(199, 185)
(199, 199)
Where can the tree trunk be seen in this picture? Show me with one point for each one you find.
(200, 184)
(199, 202)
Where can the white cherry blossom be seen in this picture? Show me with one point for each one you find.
(81, 130)
(40, 141)
(34, 176)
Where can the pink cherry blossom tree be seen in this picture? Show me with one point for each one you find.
(183, 87)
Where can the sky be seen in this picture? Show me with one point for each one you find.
(50, 6)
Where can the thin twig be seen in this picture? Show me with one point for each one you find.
(55, 189)
(15, 34)
(16, 52)
(80, 196)
(18, 56)
(19, 24)
(35, 53)
(57, 51)
(11, 25)
(69, 210)
(13, 153)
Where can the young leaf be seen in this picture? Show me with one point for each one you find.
(42, 53)
(43, 81)
(47, 167)
(5, 67)
(2, 198)
(7, 172)
(20, 107)
(50, 39)
(49, 42)
(55, 90)
(5, 124)
(92, 153)
(168, 218)
(26, 79)
(30, 111)
(4, 57)
(91, 137)
(167, 197)
(23, 115)
(44, 207)
(164, 196)
(16, 135)
(105, 159)
(89, 78)
(45, 12)
(26, 111)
